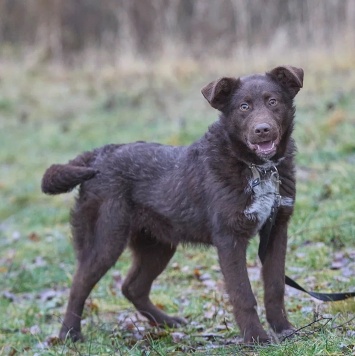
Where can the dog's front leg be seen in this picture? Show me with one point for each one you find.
(273, 272)
(232, 259)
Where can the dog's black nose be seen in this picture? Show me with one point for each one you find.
(263, 128)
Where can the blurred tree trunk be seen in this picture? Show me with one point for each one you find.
(49, 27)
(153, 28)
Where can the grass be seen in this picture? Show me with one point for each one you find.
(51, 114)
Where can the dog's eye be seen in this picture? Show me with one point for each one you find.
(244, 107)
(272, 102)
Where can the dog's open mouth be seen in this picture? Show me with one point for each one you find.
(264, 149)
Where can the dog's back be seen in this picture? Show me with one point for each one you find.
(156, 183)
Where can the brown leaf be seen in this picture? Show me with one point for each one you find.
(197, 273)
(160, 306)
(294, 309)
(155, 335)
(34, 237)
(92, 306)
(12, 352)
(53, 340)
(129, 325)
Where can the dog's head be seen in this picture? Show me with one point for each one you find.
(258, 110)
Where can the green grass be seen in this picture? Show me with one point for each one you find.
(50, 115)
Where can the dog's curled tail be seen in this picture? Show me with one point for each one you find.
(62, 178)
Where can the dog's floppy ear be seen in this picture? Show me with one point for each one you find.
(219, 92)
(290, 77)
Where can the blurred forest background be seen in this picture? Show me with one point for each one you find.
(117, 30)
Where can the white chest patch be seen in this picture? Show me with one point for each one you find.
(263, 201)
(264, 196)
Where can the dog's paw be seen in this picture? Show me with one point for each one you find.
(178, 321)
(172, 322)
(257, 336)
(258, 340)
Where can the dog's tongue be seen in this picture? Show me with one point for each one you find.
(265, 146)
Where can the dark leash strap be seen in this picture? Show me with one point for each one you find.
(325, 297)
(265, 238)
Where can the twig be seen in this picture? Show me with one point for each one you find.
(308, 325)
(151, 344)
(134, 323)
(225, 323)
(208, 335)
(341, 325)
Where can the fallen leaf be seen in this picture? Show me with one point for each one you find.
(175, 266)
(160, 306)
(185, 269)
(16, 236)
(215, 268)
(339, 261)
(348, 271)
(9, 296)
(12, 352)
(197, 273)
(178, 336)
(34, 237)
(39, 262)
(35, 330)
(53, 340)
(205, 276)
(92, 306)
(128, 325)
(48, 294)
(210, 284)
(155, 335)
(347, 348)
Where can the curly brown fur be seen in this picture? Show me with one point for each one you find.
(152, 197)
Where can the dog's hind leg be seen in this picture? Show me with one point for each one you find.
(150, 258)
(99, 239)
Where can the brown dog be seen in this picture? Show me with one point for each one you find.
(219, 191)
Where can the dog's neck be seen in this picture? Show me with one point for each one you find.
(268, 165)
(260, 174)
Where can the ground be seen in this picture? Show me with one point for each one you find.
(50, 114)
